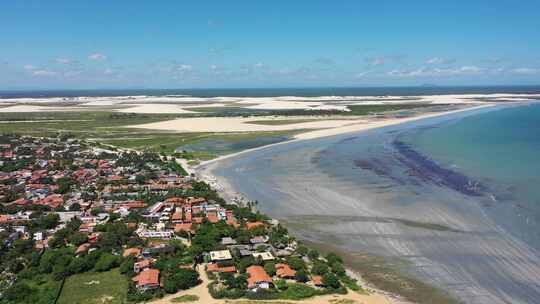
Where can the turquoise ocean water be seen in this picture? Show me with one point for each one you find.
(499, 149)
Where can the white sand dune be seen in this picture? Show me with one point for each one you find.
(175, 104)
(206, 105)
(148, 108)
(30, 108)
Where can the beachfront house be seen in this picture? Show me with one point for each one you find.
(258, 278)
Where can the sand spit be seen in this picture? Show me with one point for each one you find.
(148, 108)
(240, 124)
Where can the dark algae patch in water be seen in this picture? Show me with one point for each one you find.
(420, 168)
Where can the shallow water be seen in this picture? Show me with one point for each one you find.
(384, 192)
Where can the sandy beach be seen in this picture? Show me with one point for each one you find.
(201, 291)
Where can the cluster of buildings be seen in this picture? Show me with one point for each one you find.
(72, 176)
(72, 179)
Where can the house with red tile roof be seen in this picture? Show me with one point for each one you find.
(147, 279)
(196, 200)
(188, 227)
(214, 267)
(21, 201)
(133, 205)
(178, 201)
(212, 217)
(131, 252)
(284, 271)
(253, 225)
(258, 278)
(54, 201)
(177, 216)
(4, 218)
(82, 248)
(317, 281)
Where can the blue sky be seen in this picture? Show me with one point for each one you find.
(176, 44)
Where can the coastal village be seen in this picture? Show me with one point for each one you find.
(70, 208)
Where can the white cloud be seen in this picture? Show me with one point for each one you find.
(360, 75)
(259, 65)
(184, 68)
(439, 60)
(213, 67)
(525, 71)
(29, 67)
(468, 69)
(97, 57)
(108, 71)
(43, 73)
(63, 60)
(437, 72)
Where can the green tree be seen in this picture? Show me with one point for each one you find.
(319, 268)
(302, 250)
(313, 254)
(181, 279)
(333, 258)
(106, 262)
(50, 221)
(18, 293)
(338, 269)
(270, 268)
(127, 265)
(331, 280)
(78, 265)
(78, 238)
(280, 284)
(296, 263)
(140, 179)
(75, 207)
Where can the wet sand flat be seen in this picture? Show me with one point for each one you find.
(449, 238)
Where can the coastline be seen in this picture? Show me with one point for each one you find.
(353, 128)
(311, 231)
(205, 172)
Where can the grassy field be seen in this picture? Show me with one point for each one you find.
(95, 288)
(109, 128)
